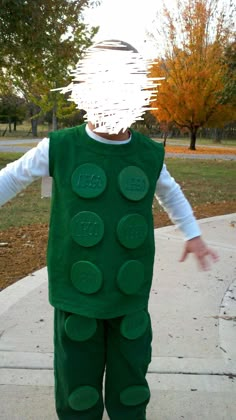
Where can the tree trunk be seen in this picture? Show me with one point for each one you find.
(15, 125)
(193, 137)
(34, 111)
(34, 127)
(165, 138)
(9, 124)
(54, 117)
(218, 135)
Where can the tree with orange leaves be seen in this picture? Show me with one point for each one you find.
(196, 36)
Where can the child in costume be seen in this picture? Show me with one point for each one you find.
(101, 241)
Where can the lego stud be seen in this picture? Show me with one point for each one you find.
(135, 395)
(83, 398)
(133, 183)
(87, 228)
(130, 277)
(132, 230)
(80, 328)
(134, 325)
(86, 277)
(89, 180)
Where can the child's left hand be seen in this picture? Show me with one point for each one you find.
(201, 251)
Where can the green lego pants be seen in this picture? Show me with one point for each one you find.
(85, 348)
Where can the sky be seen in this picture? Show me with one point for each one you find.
(127, 20)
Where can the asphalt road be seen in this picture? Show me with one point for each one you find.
(14, 146)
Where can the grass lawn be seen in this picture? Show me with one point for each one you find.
(22, 131)
(203, 181)
(28, 207)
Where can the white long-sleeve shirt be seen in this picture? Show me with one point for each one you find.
(35, 164)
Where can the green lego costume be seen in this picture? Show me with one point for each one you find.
(100, 266)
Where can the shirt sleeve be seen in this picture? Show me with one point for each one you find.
(172, 199)
(19, 174)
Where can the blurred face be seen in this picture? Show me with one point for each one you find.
(111, 84)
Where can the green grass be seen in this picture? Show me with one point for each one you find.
(6, 158)
(28, 207)
(22, 131)
(203, 181)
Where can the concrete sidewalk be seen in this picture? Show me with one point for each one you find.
(193, 371)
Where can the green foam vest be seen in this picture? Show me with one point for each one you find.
(101, 237)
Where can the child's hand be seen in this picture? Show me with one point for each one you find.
(201, 251)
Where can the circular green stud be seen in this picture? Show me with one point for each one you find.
(130, 277)
(80, 328)
(83, 398)
(88, 180)
(132, 230)
(87, 228)
(135, 395)
(133, 183)
(86, 277)
(134, 325)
